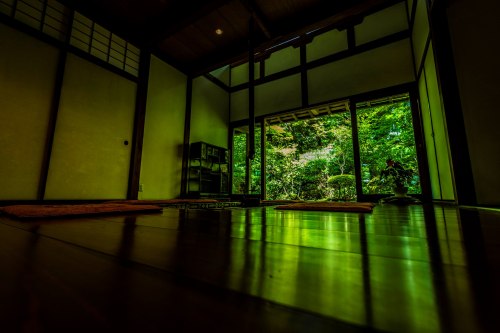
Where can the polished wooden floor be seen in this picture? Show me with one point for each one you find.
(400, 269)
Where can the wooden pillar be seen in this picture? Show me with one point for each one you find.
(303, 76)
(356, 151)
(460, 157)
(56, 99)
(187, 135)
(140, 118)
(251, 105)
(251, 91)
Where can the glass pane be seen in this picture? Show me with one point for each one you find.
(385, 132)
(311, 159)
(239, 161)
(240, 139)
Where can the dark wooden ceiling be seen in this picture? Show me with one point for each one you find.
(182, 32)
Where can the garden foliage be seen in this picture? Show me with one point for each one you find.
(313, 159)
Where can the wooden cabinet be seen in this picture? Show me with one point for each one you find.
(208, 170)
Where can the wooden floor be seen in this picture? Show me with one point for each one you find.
(399, 269)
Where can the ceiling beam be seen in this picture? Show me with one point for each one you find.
(177, 17)
(261, 20)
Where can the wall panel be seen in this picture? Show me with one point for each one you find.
(429, 139)
(282, 60)
(239, 105)
(239, 74)
(161, 167)
(278, 95)
(209, 113)
(223, 74)
(410, 6)
(328, 43)
(27, 78)
(385, 66)
(474, 27)
(96, 115)
(420, 32)
(440, 135)
(383, 23)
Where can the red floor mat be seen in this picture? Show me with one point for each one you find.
(34, 211)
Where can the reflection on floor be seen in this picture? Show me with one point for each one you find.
(400, 269)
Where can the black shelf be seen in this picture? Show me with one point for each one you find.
(208, 171)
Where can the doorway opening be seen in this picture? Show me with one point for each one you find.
(385, 132)
(327, 153)
(246, 173)
(311, 159)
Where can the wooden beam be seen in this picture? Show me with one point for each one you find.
(56, 99)
(261, 20)
(418, 131)
(334, 14)
(303, 76)
(357, 153)
(318, 19)
(457, 135)
(187, 135)
(54, 112)
(217, 82)
(398, 36)
(251, 91)
(351, 38)
(139, 121)
(177, 17)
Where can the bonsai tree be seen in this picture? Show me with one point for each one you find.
(397, 176)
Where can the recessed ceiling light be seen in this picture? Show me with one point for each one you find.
(219, 31)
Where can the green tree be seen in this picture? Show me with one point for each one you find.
(313, 159)
(304, 154)
(343, 187)
(386, 132)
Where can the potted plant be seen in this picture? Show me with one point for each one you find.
(396, 176)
